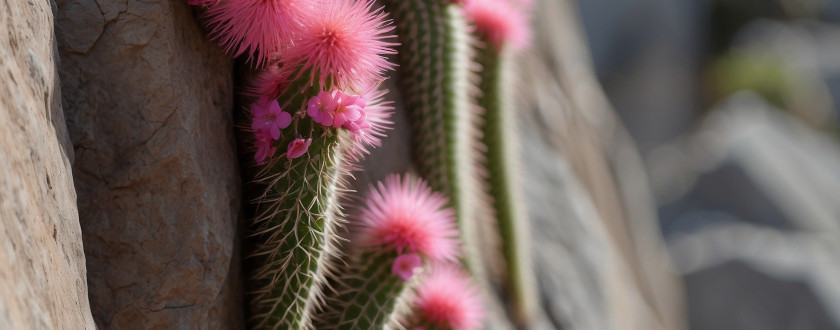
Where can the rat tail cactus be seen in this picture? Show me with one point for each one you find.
(502, 30)
(317, 110)
(436, 67)
(401, 226)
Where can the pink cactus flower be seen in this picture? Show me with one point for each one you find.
(447, 299)
(256, 27)
(501, 22)
(298, 147)
(343, 41)
(268, 117)
(265, 146)
(405, 264)
(350, 109)
(321, 107)
(405, 215)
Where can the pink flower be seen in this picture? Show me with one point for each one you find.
(405, 215)
(405, 264)
(343, 41)
(256, 27)
(321, 107)
(447, 299)
(500, 22)
(298, 147)
(265, 146)
(267, 116)
(337, 109)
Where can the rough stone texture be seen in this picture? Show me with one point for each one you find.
(42, 278)
(148, 101)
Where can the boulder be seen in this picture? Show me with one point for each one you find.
(42, 278)
(149, 102)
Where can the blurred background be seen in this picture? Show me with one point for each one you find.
(734, 107)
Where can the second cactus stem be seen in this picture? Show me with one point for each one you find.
(499, 137)
(435, 70)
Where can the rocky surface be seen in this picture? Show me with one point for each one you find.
(42, 278)
(752, 222)
(148, 102)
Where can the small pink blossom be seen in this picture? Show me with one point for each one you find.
(269, 117)
(265, 146)
(404, 214)
(405, 264)
(321, 107)
(448, 299)
(338, 109)
(298, 147)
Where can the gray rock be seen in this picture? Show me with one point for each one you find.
(42, 278)
(148, 101)
(759, 213)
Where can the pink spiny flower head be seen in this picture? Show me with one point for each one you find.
(500, 22)
(405, 265)
(259, 28)
(343, 43)
(447, 299)
(297, 148)
(265, 146)
(267, 116)
(405, 215)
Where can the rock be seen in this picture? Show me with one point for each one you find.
(42, 280)
(756, 209)
(149, 102)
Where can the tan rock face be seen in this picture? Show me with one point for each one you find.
(148, 101)
(42, 277)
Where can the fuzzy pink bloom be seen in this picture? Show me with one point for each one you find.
(447, 299)
(269, 83)
(405, 264)
(265, 146)
(298, 147)
(343, 42)
(500, 22)
(268, 117)
(256, 27)
(405, 215)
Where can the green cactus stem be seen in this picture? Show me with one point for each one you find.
(369, 295)
(499, 137)
(434, 65)
(294, 231)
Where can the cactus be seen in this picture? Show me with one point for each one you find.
(318, 102)
(501, 30)
(434, 61)
(402, 224)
